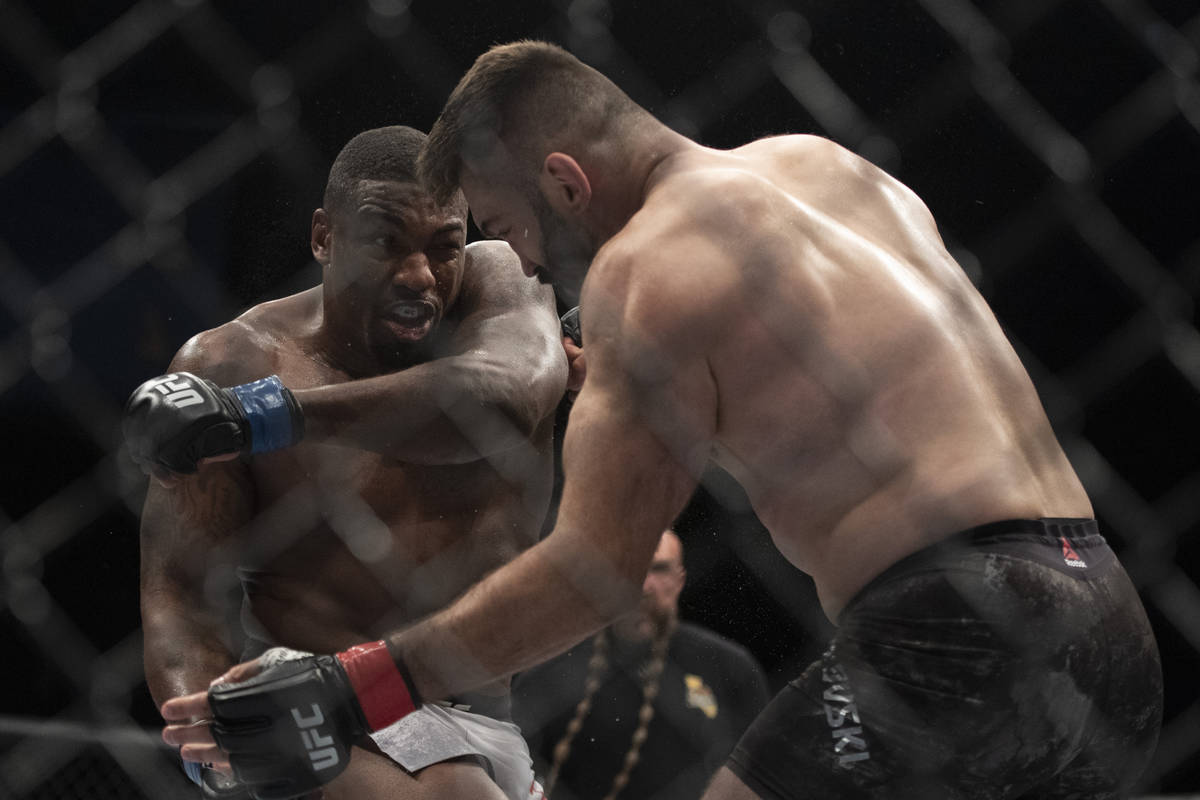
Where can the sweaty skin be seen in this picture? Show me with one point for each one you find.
(789, 312)
(859, 387)
(785, 310)
(364, 527)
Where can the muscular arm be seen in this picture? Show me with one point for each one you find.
(183, 528)
(638, 439)
(187, 532)
(641, 432)
(505, 375)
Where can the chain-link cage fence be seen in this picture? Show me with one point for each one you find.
(159, 162)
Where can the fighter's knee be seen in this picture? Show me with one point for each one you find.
(372, 776)
(458, 778)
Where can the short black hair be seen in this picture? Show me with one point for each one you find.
(380, 154)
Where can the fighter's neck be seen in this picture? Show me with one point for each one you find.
(664, 160)
(621, 189)
(339, 351)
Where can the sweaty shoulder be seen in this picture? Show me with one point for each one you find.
(250, 346)
(842, 183)
(712, 215)
(492, 278)
(724, 217)
(797, 178)
(733, 197)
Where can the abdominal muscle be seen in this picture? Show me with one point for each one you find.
(321, 596)
(346, 602)
(351, 546)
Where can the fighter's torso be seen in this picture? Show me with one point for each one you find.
(867, 399)
(349, 544)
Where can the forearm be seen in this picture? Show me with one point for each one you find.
(548, 599)
(183, 653)
(451, 410)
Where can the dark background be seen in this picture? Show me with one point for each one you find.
(159, 163)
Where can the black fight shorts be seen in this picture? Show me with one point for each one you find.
(1012, 660)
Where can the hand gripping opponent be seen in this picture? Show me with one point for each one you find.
(290, 728)
(570, 326)
(175, 421)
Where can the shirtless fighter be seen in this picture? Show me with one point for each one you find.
(789, 311)
(407, 488)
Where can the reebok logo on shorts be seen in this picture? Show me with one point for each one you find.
(1071, 558)
(840, 711)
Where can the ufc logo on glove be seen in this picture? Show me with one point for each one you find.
(178, 392)
(320, 748)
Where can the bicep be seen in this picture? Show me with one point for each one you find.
(187, 531)
(191, 524)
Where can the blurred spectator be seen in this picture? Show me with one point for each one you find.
(647, 709)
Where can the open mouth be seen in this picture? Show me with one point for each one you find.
(410, 320)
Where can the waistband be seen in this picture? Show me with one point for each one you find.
(1079, 532)
(1020, 537)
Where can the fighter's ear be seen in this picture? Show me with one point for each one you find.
(321, 229)
(565, 185)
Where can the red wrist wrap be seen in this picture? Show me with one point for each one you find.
(384, 693)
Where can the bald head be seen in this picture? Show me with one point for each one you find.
(670, 550)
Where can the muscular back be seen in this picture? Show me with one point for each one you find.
(864, 393)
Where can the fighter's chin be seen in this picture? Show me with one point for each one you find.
(400, 346)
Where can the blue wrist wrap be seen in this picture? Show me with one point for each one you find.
(267, 412)
(194, 771)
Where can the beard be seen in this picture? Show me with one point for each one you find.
(568, 250)
(648, 622)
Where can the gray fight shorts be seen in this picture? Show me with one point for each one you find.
(435, 733)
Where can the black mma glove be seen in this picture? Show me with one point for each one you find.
(290, 728)
(174, 421)
(570, 326)
(213, 785)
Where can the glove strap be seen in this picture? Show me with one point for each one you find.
(384, 689)
(272, 412)
(570, 326)
(194, 771)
